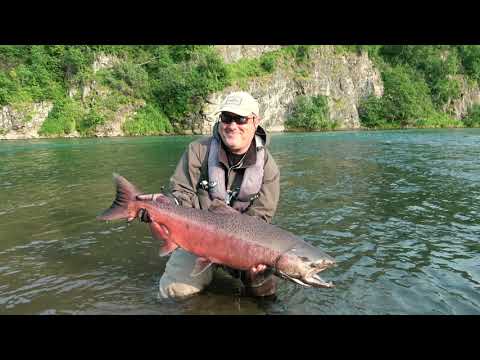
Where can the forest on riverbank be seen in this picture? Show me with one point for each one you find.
(160, 88)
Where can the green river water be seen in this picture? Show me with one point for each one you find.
(399, 210)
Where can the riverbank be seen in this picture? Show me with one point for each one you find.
(361, 129)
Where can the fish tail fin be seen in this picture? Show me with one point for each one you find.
(126, 193)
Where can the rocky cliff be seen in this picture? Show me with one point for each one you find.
(343, 78)
(469, 95)
(24, 122)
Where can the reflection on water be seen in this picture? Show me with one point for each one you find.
(399, 210)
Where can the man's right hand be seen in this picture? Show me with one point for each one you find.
(149, 197)
(160, 198)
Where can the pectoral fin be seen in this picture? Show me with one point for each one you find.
(201, 265)
(162, 233)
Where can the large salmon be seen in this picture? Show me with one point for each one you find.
(221, 235)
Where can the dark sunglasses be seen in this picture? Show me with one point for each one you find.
(228, 119)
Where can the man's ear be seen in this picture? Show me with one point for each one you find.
(257, 120)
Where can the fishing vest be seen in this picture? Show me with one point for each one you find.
(240, 199)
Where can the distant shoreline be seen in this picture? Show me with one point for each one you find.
(361, 129)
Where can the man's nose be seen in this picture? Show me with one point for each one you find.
(232, 125)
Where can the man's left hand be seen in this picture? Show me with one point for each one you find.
(258, 269)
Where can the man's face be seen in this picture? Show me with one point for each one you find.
(235, 136)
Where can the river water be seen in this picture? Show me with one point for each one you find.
(399, 210)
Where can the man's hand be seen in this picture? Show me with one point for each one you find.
(160, 198)
(258, 269)
(149, 197)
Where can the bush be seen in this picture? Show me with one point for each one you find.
(128, 78)
(310, 113)
(148, 121)
(406, 99)
(472, 119)
(443, 90)
(62, 118)
(372, 112)
(434, 63)
(300, 53)
(470, 59)
(438, 120)
(245, 69)
(268, 62)
(182, 88)
(89, 121)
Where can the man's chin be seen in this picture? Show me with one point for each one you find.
(232, 145)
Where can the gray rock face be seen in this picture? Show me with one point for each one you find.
(470, 95)
(104, 61)
(25, 123)
(344, 79)
(233, 53)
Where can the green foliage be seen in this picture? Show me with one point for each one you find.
(373, 113)
(406, 99)
(148, 121)
(181, 88)
(243, 70)
(128, 79)
(436, 64)
(300, 53)
(372, 50)
(470, 59)
(472, 119)
(443, 90)
(175, 81)
(268, 62)
(438, 120)
(62, 118)
(88, 122)
(36, 70)
(310, 113)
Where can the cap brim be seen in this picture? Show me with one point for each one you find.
(234, 110)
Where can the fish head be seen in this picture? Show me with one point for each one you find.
(302, 263)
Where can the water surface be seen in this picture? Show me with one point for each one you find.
(399, 210)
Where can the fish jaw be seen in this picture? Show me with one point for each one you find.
(313, 279)
(304, 271)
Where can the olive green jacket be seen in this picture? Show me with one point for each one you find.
(193, 169)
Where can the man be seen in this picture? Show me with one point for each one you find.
(234, 166)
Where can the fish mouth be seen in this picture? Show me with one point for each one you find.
(312, 279)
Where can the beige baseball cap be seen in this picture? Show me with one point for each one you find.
(240, 103)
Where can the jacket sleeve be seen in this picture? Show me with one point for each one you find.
(266, 204)
(184, 181)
